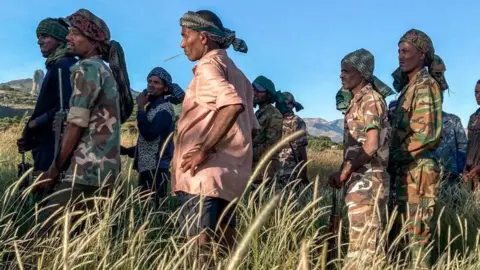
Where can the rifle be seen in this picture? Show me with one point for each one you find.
(23, 167)
(334, 228)
(59, 120)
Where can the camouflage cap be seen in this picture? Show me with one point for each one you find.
(287, 96)
(90, 25)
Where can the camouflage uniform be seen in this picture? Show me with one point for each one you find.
(94, 106)
(417, 129)
(453, 147)
(289, 156)
(270, 120)
(368, 187)
(371, 182)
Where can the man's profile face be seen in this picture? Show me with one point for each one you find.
(350, 76)
(409, 57)
(477, 93)
(193, 44)
(47, 44)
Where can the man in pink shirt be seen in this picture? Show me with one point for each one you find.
(213, 153)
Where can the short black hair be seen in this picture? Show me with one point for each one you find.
(478, 82)
(211, 17)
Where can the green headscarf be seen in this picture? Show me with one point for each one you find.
(435, 64)
(263, 82)
(283, 98)
(363, 61)
(56, 29)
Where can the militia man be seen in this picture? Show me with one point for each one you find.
(453, 148)
(294, 155)
(417, 130)
(472, 168)
(100, 102)
(38, 134)
(366, 139)
(271, 123)
(213, 147)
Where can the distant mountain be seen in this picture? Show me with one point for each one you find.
(320, 127)
(23, 85)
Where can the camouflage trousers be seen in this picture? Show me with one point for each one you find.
(366, 200)
(75, 197)
(417, 192)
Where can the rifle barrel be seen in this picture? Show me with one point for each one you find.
(60, 90)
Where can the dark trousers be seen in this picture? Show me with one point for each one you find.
(43, 157)
(155, 181)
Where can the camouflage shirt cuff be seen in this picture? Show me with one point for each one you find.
(79, 116)
(372, 126)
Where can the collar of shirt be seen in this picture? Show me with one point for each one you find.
(209, 55)
(262, 110)
(414, 80)
(358, 96)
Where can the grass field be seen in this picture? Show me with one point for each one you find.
(128, 234)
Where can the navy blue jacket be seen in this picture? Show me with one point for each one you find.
(48, 102)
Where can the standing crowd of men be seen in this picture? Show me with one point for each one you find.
(219, 138)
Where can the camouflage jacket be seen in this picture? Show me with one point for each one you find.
(94, 105)
(367, 111)
(290, 154)
(453, 147)
(473, 127)
(417, 120)
(271, 122)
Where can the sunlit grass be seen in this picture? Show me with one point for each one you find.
(276, 230)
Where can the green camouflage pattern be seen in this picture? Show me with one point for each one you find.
(270, 133)
(290, 154)
(94, 105)
(343, 99)
(453, 148)
(417, 130)
(417, 193)
(367, 111)
(417, 120)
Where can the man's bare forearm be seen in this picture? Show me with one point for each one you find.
(223, 122)
(71, 137)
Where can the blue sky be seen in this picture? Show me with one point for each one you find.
(298, 45)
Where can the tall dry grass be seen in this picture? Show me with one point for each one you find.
(286, 230)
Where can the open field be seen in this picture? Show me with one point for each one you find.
(128, 234)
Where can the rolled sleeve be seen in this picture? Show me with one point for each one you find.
(214, 90)
(79, 116)
(373, 112)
